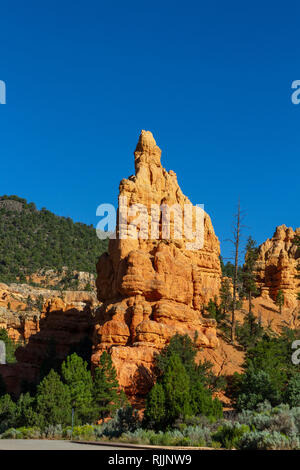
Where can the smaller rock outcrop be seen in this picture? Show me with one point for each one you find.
(47, 324)
(276, 267)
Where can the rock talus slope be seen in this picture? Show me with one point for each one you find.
(154, 285)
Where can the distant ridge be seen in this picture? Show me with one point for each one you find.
(32, 239)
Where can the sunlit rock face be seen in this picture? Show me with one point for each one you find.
(277, 263)
(154, 285)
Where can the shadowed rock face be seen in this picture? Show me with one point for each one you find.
(153, 288)
(276, 267)
(62, 326)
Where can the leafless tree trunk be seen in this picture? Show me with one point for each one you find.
(236, 242)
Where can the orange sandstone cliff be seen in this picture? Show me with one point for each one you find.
(154, 287)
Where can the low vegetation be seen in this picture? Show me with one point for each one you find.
(180, 409)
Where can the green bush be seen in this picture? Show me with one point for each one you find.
(229, 434)
(84, 433)
(269, 373)
(292, 393)
(10, 433)
(22, 433)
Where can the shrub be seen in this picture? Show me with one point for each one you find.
(230, 434)
(292, 394)
(29, 433)
(10, 433)
(255, 387)
(139, 436)
(21, 433)
(280, 419)
(53, 431)
(84, 433)
(197, 435)
(125, 420)
(264, 440)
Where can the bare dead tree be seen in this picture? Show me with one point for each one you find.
(236, 241)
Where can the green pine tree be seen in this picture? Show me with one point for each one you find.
(53, 401)
(249, 284)
(176, 385)
(225, 295)
(155, 411)
(78, 379)
(280, 300)
(106, 394)
(7, 413)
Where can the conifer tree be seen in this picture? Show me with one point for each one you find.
(225, 295)
(280, 300)
(53, 401)
(155, 412)
(176, 385)
(106, 395)
(79, 382)
(249, 283)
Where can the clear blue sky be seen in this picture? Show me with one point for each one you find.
(211, 80)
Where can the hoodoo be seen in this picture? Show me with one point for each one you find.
(152, 288)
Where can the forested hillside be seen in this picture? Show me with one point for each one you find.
(31, 239)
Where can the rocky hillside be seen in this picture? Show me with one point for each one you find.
(32, 239)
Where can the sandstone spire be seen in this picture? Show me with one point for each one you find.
(152, 288)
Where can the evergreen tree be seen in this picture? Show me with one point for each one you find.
(280, 300)
(53, 401)
(176, 385)
(225, 295)
(79, 382)
(215, 311)
(155, 412)
(7, 413)
(25, 411)
(181, 389)
(106, 395)
(268, 370)
(249, 283)
(180, 345)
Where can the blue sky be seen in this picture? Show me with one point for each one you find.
(211, 80)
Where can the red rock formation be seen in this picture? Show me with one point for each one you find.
(276, 267)
(61, 325)
(151, 287)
